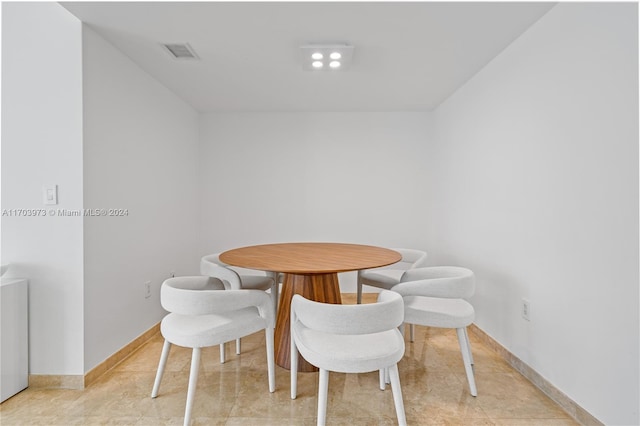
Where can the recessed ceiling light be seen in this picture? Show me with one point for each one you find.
(314, 57)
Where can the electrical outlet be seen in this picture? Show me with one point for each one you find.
(147, 289)
(526, 310)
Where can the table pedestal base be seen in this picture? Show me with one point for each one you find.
(319, 287)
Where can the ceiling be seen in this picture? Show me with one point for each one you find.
(408, 56)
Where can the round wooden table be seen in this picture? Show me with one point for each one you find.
(311, 270)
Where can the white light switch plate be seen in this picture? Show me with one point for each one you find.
(50, 194)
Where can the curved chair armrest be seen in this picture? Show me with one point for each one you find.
(238, 299)
(418, 257)
(412, 258)
(421, 262)
(437, 283)
(229, 277)
(431, 272)
(208, 259)
(182, 296)
(387, 314)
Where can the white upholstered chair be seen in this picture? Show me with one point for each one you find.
(348, 339)
(212, 266)
(202, 315)
(434, 297)
(388, 276)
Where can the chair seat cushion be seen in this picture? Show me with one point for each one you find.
(349, 353)
(256, 282)
(438, 312)
(198, 331)
(382, 278)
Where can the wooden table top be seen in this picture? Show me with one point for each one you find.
(310, 258)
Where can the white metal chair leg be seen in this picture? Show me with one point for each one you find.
(465, 349)
(466, 337)
(163, 362)
(223, 357)
(412, 328)
(275, 288)
(384, 378)
(397, 394)
(193, 381)
(323, 388)
(294, 370)
(270, 359)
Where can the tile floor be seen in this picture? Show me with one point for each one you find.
(434, 388)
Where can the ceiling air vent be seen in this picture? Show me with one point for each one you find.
(180, 51)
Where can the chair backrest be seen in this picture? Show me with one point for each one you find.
(212, 258)
(386, 314)
(195, 296)
(211, 266)
(411, 258)
(437, 281)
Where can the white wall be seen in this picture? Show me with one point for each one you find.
(42, 144)
(140, 154)
(538, 194)
(347, 177)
